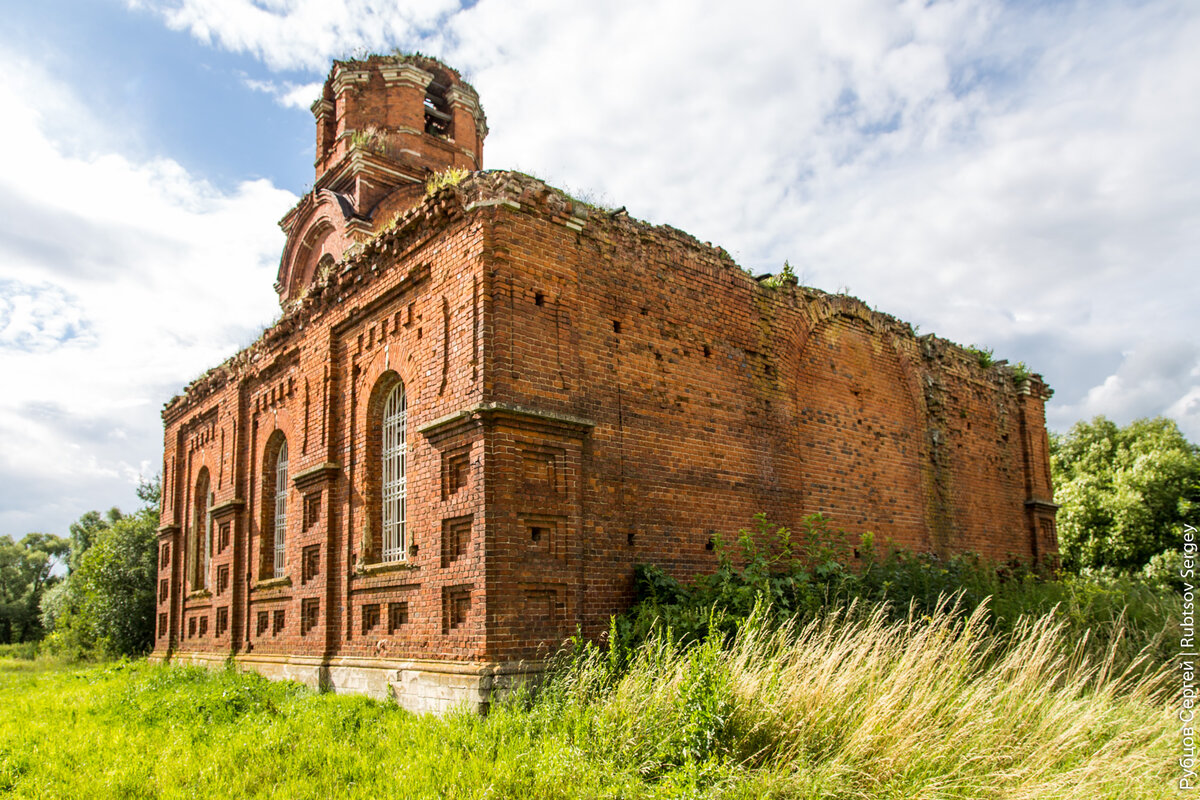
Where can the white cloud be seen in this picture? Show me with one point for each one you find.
(1022, 177)
(119, 282)
(286, 93)
(290, 34)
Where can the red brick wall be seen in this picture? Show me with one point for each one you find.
(585, 392)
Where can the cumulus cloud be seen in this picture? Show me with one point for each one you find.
(1019, 176)
(287, 93)
(290, 34)
(119, 282)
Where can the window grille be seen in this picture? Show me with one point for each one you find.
(281, 474)
(206, 575)
(395, 487)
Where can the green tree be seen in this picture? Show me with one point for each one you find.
(85, 531)
(26, 570)
(106, 605)
(1126, 493)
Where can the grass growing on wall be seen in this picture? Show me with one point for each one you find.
(851, 704)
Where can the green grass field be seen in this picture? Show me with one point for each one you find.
(935, 707)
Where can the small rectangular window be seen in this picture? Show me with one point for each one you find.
(264, 622)
(277, 622)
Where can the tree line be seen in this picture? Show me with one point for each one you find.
(1126, 495)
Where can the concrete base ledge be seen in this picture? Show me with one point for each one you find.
(421, 686)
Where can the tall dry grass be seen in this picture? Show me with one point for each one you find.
(855, 704)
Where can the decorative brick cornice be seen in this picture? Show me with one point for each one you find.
(228, 507)
(318, 474)
(321, 107)
(492, 412)
(346, 78)
(405, 73)
(168, 529)
(1038, 504)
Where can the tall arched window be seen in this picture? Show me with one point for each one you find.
(280, 519)
(394, 489)
(200, 551)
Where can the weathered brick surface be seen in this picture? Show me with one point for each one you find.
(585, 392)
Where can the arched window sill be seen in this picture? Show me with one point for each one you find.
(385, 566)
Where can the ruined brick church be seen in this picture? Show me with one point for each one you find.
(485, 403)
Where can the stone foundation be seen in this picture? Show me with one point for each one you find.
(424, 686)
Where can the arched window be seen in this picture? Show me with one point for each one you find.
(394, 485)
(273, 558)
(280, 527)
(200, 551)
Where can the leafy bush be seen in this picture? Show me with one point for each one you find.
(802, 574)
(1126, 492)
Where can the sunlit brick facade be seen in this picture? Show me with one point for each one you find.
(482, 407)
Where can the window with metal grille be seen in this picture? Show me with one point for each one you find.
(281, 475)
(395, 488)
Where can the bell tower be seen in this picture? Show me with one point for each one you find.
(384, 125)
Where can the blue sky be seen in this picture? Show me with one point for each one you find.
(1021, 176)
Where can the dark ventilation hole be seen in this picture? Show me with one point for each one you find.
(412, 551)
(616, 326)
(645, 311)
(856, 553)
(535, 534)
(710, 545)
(437, 109)
(539, 299)
(707, 352)
(629, 538)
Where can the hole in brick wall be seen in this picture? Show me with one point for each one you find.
(412, 551)
(629, 539)
(539, 299)
(710, 545)
(312, 509)
(420, 333)
(707, 351)
(310, 562)
(370, 617)
(456, 606)
(310, 611)
(645, 311)
(456, 471)
(535, 533)
(616, 326)
(657, 356)
(456, 539)
(397, 616)
(856, 553)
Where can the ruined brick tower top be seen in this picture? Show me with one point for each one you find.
(384, 125)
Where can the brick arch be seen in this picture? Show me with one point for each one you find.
(320, 230)
(861, 431)
(198, 528)
(269, 454)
